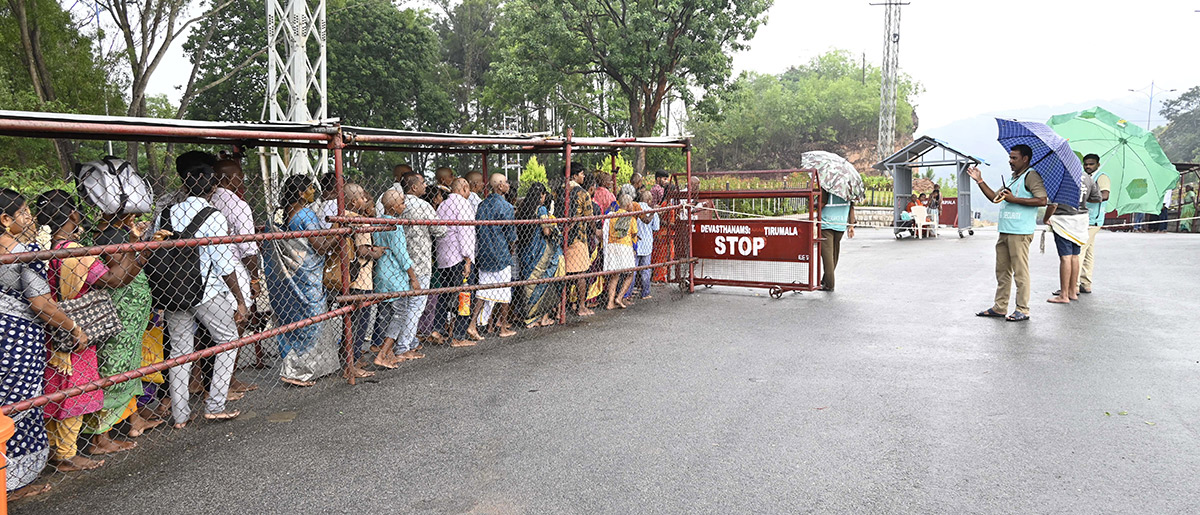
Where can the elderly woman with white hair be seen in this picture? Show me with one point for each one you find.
(619, 235)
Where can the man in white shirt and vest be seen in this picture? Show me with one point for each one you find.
(1096, 212)
(1019, 202)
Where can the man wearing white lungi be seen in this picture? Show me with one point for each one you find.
(494, 255)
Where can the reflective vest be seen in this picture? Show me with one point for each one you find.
(1015, 218)
(1096, 210)
(835, 214)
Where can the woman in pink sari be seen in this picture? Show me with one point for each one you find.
(71, 278)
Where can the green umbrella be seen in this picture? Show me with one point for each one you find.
(1130, 155)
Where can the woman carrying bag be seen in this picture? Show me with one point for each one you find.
(70, 366)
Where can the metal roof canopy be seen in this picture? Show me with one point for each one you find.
(368, 138)
(120, 128)
(930, 152)
(315, 135)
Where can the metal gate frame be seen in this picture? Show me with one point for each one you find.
(813, 242)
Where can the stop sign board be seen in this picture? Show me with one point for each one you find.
(753, 240)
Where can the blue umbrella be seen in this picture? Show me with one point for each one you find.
(1053, 158)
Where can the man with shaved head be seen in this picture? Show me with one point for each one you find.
(475, 181)
(444, 176)
(455, 255)
(398, 173)
(420, 241)
(494, 255)
(639, 184)
(362, 280)
(393, 273)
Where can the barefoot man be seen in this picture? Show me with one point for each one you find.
(1019, 202)
(455, 254)
(494, 255)
(394, 273)
(421, 238)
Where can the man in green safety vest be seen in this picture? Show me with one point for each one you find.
(1019, 202)
(1096, 212)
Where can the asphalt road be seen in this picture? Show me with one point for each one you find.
(887, 396)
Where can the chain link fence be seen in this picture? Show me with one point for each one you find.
(126, 316)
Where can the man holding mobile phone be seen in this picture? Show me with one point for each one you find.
(1019, 202)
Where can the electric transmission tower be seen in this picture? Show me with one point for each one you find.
(511, 162)
(296, 83)
(891, 69)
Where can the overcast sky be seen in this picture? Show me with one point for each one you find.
(975, 57)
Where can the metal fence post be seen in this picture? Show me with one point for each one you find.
(337, 144)
(562, 304)
(695, 195)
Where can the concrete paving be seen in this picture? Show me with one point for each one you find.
(887, 396)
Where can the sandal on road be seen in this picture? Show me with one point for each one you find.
(1017, 316)
(990, 313)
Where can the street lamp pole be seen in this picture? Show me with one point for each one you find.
(1150, 108)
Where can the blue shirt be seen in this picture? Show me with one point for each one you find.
(391, 270)
(645, 241)
(492, 241)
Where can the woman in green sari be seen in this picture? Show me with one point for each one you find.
(122, 352)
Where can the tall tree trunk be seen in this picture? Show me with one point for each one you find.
(39, 76)
(637, 123)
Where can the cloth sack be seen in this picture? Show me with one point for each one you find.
(112, 185)
(93, 312)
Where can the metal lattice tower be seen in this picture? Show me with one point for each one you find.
(512, 162)
(891, 69)
(296, 81)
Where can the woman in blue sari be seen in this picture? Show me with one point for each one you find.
(541, 252)
(27, 306)
(294, 269)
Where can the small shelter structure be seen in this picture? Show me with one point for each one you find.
(929, 152)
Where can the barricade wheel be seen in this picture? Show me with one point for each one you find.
(708, 286)
(776, 292)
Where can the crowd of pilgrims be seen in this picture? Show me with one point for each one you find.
(302, 277)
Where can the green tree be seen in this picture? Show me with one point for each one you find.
(645, 49)
(533, 172)
(228, 53)
(767, 121)
(624, 171)
(47, 64)
(384, 69)
(469, 36)
(1180, 138)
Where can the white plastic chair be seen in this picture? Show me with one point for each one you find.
(921, 220)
